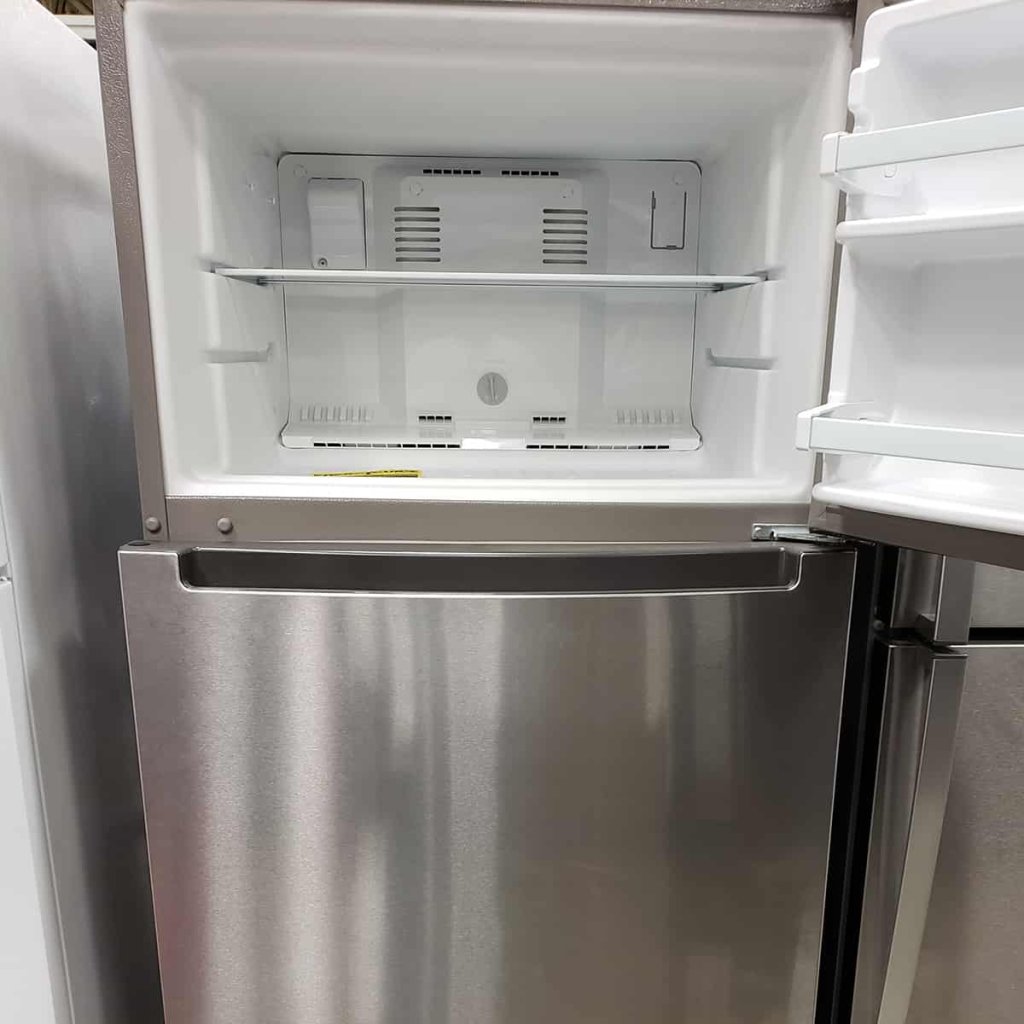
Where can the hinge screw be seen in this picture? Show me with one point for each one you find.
(152, 524)
(225, 525)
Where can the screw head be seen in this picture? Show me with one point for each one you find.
(225, 525)
(322, 262)
(152, 524)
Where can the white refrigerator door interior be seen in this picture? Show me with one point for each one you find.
(925, 412)
(26, 893)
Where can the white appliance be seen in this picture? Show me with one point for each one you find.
(75, 928)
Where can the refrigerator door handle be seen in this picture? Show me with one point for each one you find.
(935, 765)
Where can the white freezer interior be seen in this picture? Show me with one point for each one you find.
(496, 367)
(222, 91)
(926, 415)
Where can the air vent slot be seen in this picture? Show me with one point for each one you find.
(565, 235)
(517, 172)
(436, 424)
(549, 418)
(564, 446)
(451, 170)
(316, 413)
(417, 234)
(383, 444)
(650, 417)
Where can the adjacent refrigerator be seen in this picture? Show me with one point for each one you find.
(940, 935)
(76, 929)
(554, 590)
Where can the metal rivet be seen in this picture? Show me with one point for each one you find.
(225, 525)
(322, 262)
(152, 524)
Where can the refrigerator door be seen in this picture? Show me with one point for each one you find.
(998, 600)
(422, 786)
(970, 964)
(922, 699)
(951, 955)
(923, 430)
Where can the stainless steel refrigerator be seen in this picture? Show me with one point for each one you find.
(76, 928)
(941, 936)
(556, 578)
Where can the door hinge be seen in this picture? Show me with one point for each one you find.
(798, 532)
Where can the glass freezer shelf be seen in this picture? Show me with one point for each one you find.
(683, 282)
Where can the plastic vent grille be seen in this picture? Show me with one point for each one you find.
(451, 170)
(565, 446)
(565, 235)
(650, 417)
(417, 234)
(524, 173)
(384, 444)
(335, 414)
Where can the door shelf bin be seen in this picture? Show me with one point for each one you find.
(929, 238)
(819, 431)
(845, 152)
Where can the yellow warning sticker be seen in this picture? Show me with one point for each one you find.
(404, 473)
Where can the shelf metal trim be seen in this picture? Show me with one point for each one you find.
(682, 282)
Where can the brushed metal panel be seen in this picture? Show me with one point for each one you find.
(195, 520)
(969, 969)
(131, 261)
(933, 596)
(839, 8)
(998, 598)
(69, 500)
(963, 542)
(901, 743)
(366, 806)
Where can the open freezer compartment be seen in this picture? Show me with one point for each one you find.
(534, 254)
(925, 413)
